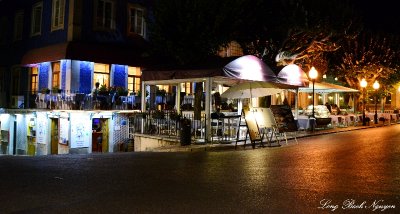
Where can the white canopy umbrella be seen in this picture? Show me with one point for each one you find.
(252, 90)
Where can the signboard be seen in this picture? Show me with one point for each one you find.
(81, 129)
(252, 125)
(42, 128)
(284, 118)
(64, 130)
(264, 117)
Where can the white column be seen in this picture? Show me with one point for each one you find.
(143, 103)
(208, 87)
(178, 98)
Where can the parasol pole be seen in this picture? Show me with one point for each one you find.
(296, 103)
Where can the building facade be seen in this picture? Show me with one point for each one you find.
(52, 52)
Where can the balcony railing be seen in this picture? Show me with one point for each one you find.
(66, 100)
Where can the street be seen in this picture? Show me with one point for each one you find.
(348, 172)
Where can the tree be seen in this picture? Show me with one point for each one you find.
(370, 56)
(190, 31)
(302, 32)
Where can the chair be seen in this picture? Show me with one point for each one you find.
(341, 122)
(360, 119)
(352, 121)
(216, 126)
(128, 100)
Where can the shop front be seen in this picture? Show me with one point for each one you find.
(37, 133)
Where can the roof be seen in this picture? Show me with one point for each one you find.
(324, 87)
(94, 52)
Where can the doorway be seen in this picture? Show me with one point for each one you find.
(54, 136)
(100, 135)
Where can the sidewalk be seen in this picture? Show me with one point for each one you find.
(231, 146)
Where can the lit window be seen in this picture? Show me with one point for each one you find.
(56, 75)
(36, 25)
(137, 24)
(34, 80)
(101, 74)
(57, 21)
(18, 25)
(134, 79)
(187, 87)
(232, 49)
(104, 14)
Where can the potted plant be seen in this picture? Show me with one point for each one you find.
(45, 91)
(55, 89)
(121, 91)
(103, 90)
(174, 116)
(158, 114)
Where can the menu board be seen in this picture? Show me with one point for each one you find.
(252, 125)
(284, 118)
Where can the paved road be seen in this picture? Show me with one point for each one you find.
(327, 171)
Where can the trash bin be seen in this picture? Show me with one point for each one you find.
(185, 137)
(131, 145)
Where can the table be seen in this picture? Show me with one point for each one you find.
(305, 123)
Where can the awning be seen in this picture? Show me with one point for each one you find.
(324, 87)
(93, 52)
(293, 75)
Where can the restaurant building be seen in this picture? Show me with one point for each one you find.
(52, 54)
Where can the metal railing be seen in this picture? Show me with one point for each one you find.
(167, 123)
(74, 100)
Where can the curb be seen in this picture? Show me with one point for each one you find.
(224, 147)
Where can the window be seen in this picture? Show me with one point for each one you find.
(101, 74)
(134, 75)
(137, 24)
(55, 81)
(232, 49)
(36, 25)
(18, 25)
(187, 87)
(104, 15)
(34, 79)
(57, 19)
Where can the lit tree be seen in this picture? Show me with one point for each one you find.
(370, 56)
(303, 32)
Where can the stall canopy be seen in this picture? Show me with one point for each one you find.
(249, 68)
(293, 75)
(245, 68)
(324, 87)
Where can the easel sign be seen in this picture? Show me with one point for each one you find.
(252, 125)
(264, 117)
(284, 118)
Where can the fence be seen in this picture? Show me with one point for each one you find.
(167, 123)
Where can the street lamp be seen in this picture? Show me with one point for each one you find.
(376, 87)
(313, 74)
(363, 85)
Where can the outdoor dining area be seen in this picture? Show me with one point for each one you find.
(245, 84)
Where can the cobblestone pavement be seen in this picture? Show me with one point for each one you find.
(217, 146)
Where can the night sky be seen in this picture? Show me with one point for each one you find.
(383, 15)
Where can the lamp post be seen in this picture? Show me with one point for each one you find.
(313, 74)
(363, 85)
(376, 87)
